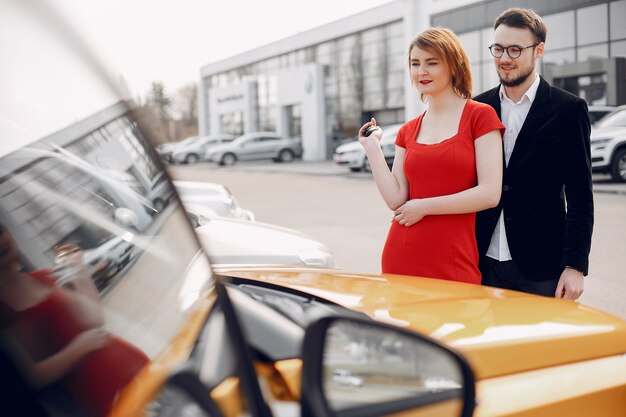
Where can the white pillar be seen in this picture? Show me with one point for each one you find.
(416, 20)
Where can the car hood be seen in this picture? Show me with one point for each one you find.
(232, 241)
(607, 132)
(499, 331)
(349, 147)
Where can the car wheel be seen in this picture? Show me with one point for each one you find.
(285, 155)
(192, 158)
(355, 169)
(618, 166)
(228, 159)
(366, 166)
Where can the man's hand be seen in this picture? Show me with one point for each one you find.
(570, 285)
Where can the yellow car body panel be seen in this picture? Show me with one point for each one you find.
(500, 332)
(572, 390)
(148, 383)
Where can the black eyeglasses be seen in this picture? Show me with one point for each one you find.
(514, 51)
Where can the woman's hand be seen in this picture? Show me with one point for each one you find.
(411, 212)
(90, 340)
(375, 136)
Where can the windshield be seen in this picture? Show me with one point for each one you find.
(617, 119)
(95, 246)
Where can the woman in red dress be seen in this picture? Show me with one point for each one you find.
(55, 334)
(448, 166)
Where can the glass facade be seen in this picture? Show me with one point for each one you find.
(365, 73)
(364, 76)
(581, 34)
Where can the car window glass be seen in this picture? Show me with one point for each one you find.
(99, 253)
(617, 119)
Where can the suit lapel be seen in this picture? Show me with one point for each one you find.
(538, 113)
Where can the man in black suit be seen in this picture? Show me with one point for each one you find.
(538, 238)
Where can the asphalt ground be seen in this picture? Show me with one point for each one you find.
(344, 211)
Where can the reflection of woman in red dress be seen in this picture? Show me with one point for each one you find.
(448, 166)
(56, 334)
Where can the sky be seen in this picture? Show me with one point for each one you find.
(170, 40)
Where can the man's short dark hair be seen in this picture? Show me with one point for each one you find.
(523, 19)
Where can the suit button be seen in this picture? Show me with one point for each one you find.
(505, 187)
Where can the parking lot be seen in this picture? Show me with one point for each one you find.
(344, 211)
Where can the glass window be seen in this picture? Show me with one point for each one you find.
(395, 29)
(372, 52)
(490, 76)
(471, 44)
(592, 24)
(348, 42)
(395, 98)
(397, 46)
(559, 57)
(618, 11)
(324, 50)
(372, 101)
(618, 48)
(593, 52)
(372, 35)
(396, 80)
(477, 86)
(561, 30)
(486, 36)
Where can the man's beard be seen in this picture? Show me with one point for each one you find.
(516, 81)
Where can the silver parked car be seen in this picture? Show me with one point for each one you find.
(165, 150)
(353, 155)
(207, 199)
(257, 145)
(192, 152)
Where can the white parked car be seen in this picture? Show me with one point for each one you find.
(208, 199)
(234, 241)
(353, 155)
(343, 377)
(608, 145)
(194, 151)
(254, 146)
(598, 111)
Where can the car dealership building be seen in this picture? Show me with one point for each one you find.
(322, 84)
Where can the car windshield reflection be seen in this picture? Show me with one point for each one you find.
(96, 190)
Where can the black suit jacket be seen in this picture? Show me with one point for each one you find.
(550, 165)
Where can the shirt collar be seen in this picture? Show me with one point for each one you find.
(530, 94)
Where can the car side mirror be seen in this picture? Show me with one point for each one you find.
(356, 367)
(184, 394)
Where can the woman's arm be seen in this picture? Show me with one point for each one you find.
(486, 194)
(392, 185)
(42, 373)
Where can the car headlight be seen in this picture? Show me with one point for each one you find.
(316, 257)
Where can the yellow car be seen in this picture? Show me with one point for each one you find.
(171, 334)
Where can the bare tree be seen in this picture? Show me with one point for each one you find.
(159, 100)
(185, 103)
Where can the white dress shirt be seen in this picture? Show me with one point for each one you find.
(513, 116)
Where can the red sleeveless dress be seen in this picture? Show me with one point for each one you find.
(442, 246)
(95, 380)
